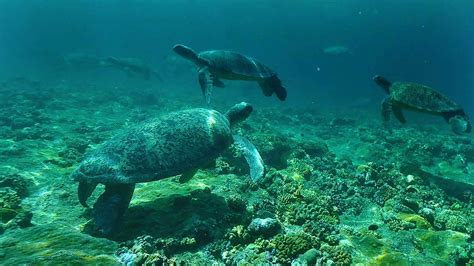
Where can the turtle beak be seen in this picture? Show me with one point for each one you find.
(183, 50)
(246, 109)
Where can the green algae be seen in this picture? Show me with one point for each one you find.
(389, 259)
(55, 244)
(441, 244)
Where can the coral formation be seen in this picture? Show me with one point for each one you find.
(336, 191)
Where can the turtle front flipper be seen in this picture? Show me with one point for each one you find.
(217, 82)
(252, 156)
(84, 191)
(111, 206)
(206, 82)
(273, 85)
(186, 176)
(397, 112)
(386, 111)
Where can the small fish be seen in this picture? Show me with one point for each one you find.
(133, 66)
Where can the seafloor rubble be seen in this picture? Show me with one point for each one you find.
(339, 189)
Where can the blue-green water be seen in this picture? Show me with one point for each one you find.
(339, 186)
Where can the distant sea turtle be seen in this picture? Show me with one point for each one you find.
(133, 65)
(336, 50)
(177, 143)
(219, 64)
(421, 98)
(82, 60)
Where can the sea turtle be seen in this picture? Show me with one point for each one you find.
(219, 64)
(177, 143)
(133, 65)
(336, 50)
(421, 98)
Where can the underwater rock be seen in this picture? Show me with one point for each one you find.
(146, 250)
(16, 182)
(308, 258)
(338, 255)
(289, 247)
(428, 214)
(274, 149)
(264, 227)
(236, 203)
(323, 230)
(239, 235)
(138, 251)
(173, 245)
(12, 214)
(35, 132)
(451, 220)
(338, 122)
(14, 188)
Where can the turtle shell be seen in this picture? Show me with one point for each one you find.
(237, 64)
(421, 97)
(160, 148)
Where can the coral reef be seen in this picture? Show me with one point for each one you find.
(338, 190)
(289, 246)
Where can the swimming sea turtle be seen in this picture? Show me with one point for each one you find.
(177, 143)
(133, 65)
(421, 98)
(336, 50)
(219, 64)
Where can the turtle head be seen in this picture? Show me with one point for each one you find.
(238, 113)
(186, 52)
(460, 124)
(112, 60)
(382, 82)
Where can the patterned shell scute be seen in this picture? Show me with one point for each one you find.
(236, 63)
(166, 146)
(421, 97)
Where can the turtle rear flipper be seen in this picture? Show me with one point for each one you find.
(397, 112)
(273, 85)
(217, 82)
(111, 206)
(252, 156)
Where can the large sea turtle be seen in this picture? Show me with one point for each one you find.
(177, 143)
(219, 64)
(421, 98)
(133, 65)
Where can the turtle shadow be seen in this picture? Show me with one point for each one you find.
(200, 214)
